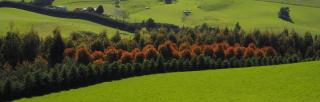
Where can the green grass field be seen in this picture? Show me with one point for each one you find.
(250, 14)
(224, 13)
(282, 83)
(25, 20)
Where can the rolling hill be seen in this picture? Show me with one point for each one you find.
(24, 20)
(281, 83)
(250, 14)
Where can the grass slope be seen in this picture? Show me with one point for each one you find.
(24, 20)
(282, 83)
(250, 13)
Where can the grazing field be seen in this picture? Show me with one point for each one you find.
(25, 20)
(250, 13)
(281, 83)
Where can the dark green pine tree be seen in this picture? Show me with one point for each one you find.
(160, 64)
(30, 46)
(56, 49)
(11, 48)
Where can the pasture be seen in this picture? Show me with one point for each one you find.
(251, 14)
(284, 83)
(25, 20)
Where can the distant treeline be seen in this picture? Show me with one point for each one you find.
(96, 18)
(31, 65)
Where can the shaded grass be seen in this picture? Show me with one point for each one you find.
(280, 83)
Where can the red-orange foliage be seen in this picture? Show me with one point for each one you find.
(69, 52)
(208, 51)
(196, 49)
(224, 45)
(111, 54)
(135, 51)
(239, 51)
(83, 56)
(120, 52)
(97, 55)
(249, 52)
(99, 61)
(175, 54)
(259, 53)
(169, 50)
(184, 46)
(151, 52)
(147, 47)
(186, 54)
(139, 57)
(219, 51)
(126, 57)
(269, 51)
(252, 46)
(230, 52)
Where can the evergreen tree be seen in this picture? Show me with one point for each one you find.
(159, 63)
(116, 38)
(1, 55)
(8, 89)
(137, 69)
(100, 9)
(173, 65)
(115, 71)
(284, 14)
(30, 46)
(11, 48)
(137, 37)
(57, 78)
(29, 83)
(150, 24)
(308, 43)
(56, 49)
(124, 70)
(194, 63)
(186, 65)
(237, 28)
(146, 67)
(201, 62)
(97, 45)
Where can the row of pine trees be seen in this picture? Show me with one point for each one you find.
(32, 65)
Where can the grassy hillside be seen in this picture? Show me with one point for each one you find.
(312, 3)
(282, 83)
(250, 13)
(24, 20)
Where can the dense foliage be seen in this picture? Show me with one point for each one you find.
(31, 65)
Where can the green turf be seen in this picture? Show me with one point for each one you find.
(250, 13)
(24, 20)
(282, 83)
